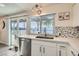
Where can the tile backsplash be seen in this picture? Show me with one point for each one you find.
(67, 32)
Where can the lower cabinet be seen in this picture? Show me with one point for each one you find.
(72, 52)
(62, 50)
(49, 50)
(40, 48)
(45, 48)
(36, 49)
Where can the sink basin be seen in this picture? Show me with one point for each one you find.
(44, 37)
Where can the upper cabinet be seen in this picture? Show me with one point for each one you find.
(42, 24)
(76, 15)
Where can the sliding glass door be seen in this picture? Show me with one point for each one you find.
(13, 31)
(22, 27)
(17, 27)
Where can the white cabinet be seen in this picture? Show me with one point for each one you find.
(49, 50)
(72, 52)
(45, 48)
(36, 49)
(41, 48)
(62, 49)
(76, 15)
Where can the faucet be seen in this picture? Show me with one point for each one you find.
(45, 31)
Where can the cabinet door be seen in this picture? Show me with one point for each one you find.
(72, 52)
(41, 48)
(62, 51)
(36, 49)
(49, 51)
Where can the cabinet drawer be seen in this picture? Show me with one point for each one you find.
(43, 43)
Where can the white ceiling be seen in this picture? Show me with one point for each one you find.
(12, 8)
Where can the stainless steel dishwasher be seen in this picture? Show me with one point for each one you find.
(25, 46)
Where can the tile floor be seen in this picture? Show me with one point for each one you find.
(4, 51)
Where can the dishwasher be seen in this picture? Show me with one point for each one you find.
(25, 46)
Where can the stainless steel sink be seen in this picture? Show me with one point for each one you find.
(45, 37)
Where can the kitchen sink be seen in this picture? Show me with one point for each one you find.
(45, 37)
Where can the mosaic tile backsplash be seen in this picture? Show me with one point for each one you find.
(67, 32)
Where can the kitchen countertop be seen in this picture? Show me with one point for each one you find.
(74, 42)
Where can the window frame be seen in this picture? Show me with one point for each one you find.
(21, 28)
(41, 25)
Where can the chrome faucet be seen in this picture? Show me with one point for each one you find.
(45, 31)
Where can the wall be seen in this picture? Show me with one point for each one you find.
(67, 27)
(0, 28)
(67, 32)
(76, 15)
(3, 32)
(57, 9)
(49, 9)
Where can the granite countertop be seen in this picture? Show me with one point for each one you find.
(74, 42)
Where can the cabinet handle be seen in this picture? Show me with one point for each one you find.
(72, 53)
(40, 49)
(60, 53)
(63, 46)
(43, 49)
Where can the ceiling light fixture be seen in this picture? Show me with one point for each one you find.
(37, 8)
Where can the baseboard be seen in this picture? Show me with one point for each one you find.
(4, 43)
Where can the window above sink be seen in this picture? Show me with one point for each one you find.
(40, 24)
